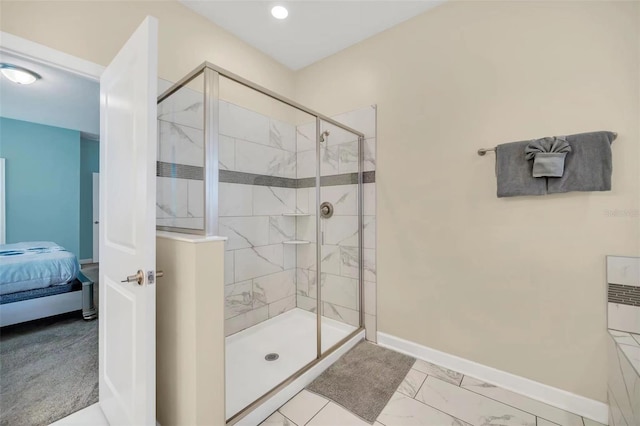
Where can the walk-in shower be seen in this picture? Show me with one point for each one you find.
(284, 184)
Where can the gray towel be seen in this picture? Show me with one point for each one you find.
(513, 172)
(588, 168)
(548, 155)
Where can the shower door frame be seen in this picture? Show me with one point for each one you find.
(211, 93)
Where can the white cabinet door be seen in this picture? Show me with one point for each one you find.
(128, 96)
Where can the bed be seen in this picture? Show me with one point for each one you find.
(40, 279)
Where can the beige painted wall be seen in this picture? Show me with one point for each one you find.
(190, 332)
(517, 284)
(96, 30)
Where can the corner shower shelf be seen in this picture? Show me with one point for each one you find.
(295, 214)
(296, 242)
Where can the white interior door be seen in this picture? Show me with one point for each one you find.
(96, 217)
(128, 96)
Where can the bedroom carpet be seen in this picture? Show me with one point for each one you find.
(48, 369)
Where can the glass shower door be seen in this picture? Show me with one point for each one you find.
(181, 159)
(265, 212)
(340, 254)
(239, 161)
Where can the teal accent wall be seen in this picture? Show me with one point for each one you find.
(42, 183)
(89, 164)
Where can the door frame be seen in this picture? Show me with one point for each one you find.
(28, 49)
(95, 214)
(37, 52)
(3, 212)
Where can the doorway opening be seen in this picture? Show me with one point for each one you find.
(49, 272)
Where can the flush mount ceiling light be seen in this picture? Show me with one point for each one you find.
(18, 74)
(279, 12)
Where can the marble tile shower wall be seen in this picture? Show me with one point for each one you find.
(339, 251)
(623, 293)
(623, 391)
(260, 271)
(179, 200)
(263, 276)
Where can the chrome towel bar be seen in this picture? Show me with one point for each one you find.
(483, 151)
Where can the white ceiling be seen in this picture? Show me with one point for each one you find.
(314, 29)
(60, 99)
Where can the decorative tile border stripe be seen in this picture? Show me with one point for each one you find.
(335, 180)
(182, 171)
(624, 294)
(229, 176)
(369, 177)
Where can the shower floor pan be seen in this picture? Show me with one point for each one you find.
(292, 336)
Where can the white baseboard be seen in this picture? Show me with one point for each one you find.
(85, 261)
(585, 407)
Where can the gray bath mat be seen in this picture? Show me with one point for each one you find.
(364, 379)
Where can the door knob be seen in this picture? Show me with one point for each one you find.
(138, 277)
(159, 274)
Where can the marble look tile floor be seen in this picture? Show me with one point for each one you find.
(431, 395)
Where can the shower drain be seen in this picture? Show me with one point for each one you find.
(271, 356)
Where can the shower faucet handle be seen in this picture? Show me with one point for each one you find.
(326, 210)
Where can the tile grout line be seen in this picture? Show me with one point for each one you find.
(432, 407)
(273, 214)
(516, 408)
(626, 388)
(292, 422)
(612, 396)
(418, 391)
(478, 394)
(236, 139)
(421, 383)
(261, 276)
(553, 423)
(175, 123)
(323, 407)
(378, 421)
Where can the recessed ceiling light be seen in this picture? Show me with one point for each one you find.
(18, 74)
(279, 12)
